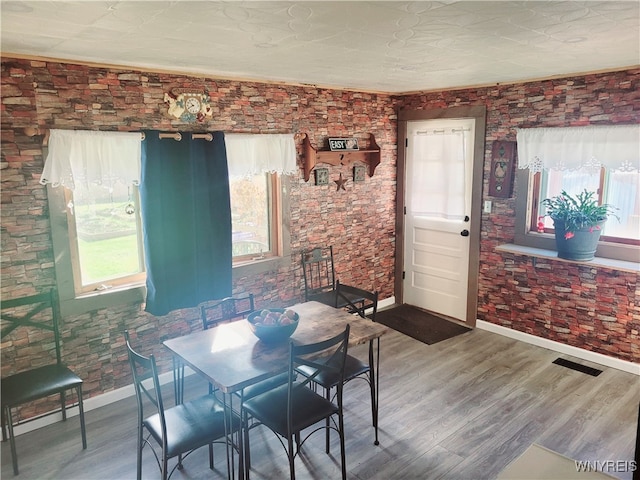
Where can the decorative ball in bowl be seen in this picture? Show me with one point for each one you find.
(273, 324)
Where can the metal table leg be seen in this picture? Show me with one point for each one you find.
(375, 384)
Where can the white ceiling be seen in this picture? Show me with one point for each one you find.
(392, 46)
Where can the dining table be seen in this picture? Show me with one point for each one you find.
(231, 358)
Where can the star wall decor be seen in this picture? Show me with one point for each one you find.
(340, 183)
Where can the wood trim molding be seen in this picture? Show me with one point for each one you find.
(477, 112)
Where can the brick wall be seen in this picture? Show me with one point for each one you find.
(597, 309)
(358, 221)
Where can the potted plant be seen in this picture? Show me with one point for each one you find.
(578, 222)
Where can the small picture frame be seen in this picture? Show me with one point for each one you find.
(359, 172)
(343, 144)
(322, 176)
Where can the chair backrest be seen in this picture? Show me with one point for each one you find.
(39, 311)
(230, 308)
(317, 268)
(370, 300)
(333, 353)
(146, 384)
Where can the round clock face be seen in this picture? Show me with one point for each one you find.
(192, 104)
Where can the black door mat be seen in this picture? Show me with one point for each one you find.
(419, 324)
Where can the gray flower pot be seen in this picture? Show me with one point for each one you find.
(581, 247)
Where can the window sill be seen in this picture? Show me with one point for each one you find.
(256, 267)
(621, 265)
(136, 294)
(88, 302)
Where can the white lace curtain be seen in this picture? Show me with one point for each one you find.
(615, 147)
(92, 157)
(250, 154)
(106, 158)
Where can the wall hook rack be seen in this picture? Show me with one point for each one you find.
(312, 156)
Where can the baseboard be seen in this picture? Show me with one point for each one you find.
(587, 355)
(115, 395)
(387, 302)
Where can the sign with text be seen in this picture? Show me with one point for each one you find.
(342, 144)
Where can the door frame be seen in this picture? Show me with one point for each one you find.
(479, 114)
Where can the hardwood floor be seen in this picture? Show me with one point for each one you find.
(460, 409)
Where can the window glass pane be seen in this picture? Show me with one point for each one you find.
(622, 192)
(250, 201)
(107, 232)
(573, 182)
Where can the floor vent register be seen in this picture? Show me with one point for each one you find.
(594, 372)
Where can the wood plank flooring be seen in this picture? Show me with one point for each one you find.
(460, 409)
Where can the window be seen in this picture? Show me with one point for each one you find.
(82, 292)
(258, 169)
(601, 159)
(254, 216)
(105, 237)
(96, 225)
(619, 189)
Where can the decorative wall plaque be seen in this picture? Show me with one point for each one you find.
(189, 106)
(359, 172)
(322, 176)
(502, 162)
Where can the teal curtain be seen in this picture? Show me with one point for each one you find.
(186, 217)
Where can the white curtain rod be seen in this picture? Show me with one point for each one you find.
(177, 136)
(440, 132)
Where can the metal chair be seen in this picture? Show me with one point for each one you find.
(40, 382)
(227, 309)
(179, 430)
(320, 279)
(291, 408)
(354, 367)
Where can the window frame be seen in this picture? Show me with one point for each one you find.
(281, 258)
(79, 288)
(535, 203)
(72, 303)
(526, 188)
(274, 192)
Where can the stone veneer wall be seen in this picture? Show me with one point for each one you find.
(358, 221)
(594, 308)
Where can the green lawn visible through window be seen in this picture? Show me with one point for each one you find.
(108, 258)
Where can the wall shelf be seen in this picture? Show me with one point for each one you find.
(311, 156)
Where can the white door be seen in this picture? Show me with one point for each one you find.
(439, 169)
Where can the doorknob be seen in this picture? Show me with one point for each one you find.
(464, 233)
